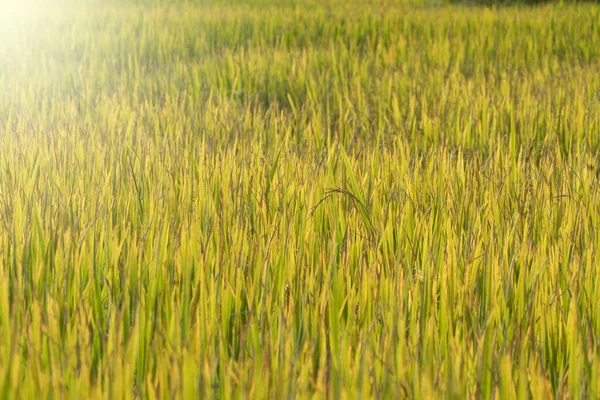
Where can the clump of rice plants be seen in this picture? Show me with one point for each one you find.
(261, 199)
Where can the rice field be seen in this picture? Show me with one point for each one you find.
(304, 199)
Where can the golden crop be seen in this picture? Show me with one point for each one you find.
(271, 199)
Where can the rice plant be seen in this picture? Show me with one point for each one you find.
(264, 199)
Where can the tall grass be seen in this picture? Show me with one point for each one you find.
(252, 199)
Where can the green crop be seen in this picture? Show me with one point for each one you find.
(305, 199)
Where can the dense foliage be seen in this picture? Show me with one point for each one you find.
(254, 199)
